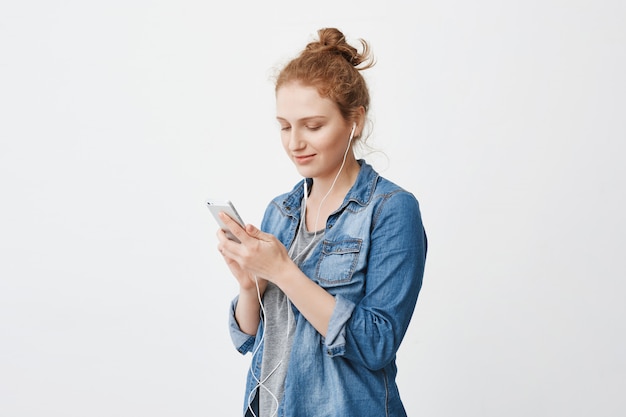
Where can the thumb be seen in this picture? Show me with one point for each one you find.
(253, 231)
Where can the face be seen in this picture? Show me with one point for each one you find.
(313, 132)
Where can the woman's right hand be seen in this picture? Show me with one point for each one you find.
(248, 306)
(246, 280)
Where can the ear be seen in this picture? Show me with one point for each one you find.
(359, 119)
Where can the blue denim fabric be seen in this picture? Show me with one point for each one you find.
(372, 261)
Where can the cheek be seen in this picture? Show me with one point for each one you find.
(337, 145)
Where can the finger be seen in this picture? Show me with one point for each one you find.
(233, 226)
(256, 233)
(224, 244)
(253, 231)
(221, 236)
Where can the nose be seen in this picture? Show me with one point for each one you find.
(295, 141)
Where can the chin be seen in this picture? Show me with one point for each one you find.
(306, 173)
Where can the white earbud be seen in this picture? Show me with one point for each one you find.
(353, 130)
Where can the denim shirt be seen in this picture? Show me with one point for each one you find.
(372, 261)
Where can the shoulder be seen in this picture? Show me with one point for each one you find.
(396, 212)
(385, 186)
(389, 192)
(390, 196)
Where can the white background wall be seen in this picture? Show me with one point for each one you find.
(118, 119)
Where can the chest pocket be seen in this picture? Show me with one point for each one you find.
(338, 261)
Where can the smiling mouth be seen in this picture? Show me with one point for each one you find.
(303, 158)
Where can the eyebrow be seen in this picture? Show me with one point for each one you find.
(304, 119)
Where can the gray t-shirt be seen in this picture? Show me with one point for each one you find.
(279, 329)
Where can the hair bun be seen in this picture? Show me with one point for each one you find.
(332, 40)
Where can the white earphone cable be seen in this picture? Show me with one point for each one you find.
(260, 383)
(319, 208)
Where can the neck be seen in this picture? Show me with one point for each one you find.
(340, 186)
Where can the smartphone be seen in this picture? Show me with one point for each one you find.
(216, 206)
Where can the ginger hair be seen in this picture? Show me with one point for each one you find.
(333, 66)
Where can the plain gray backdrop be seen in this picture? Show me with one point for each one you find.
(118, 119)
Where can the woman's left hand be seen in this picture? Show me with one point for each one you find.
(264, 256)
(260, 253)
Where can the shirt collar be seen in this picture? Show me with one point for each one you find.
(361, 191)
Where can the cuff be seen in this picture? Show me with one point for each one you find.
(243, 342)
(335, 341)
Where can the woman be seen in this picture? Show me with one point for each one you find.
(329, 283)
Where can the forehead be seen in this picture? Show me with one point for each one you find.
(296, 101)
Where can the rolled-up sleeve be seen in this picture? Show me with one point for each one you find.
(336, 335)
(243, 342)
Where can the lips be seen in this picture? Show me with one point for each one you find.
(302, 159)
